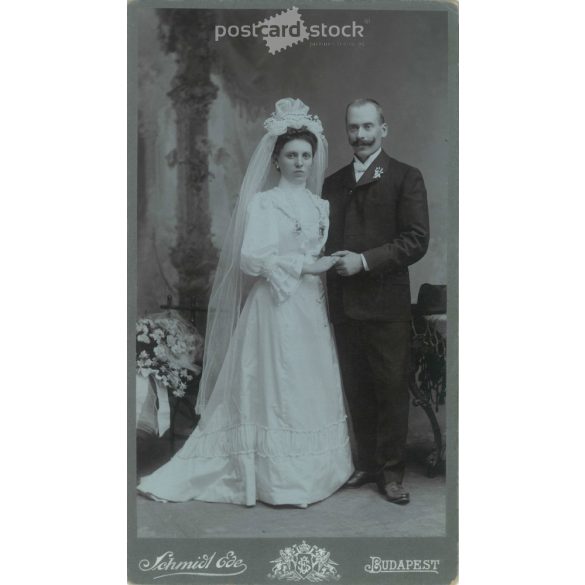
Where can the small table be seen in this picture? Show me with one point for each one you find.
(429, 381)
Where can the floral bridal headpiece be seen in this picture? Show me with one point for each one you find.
(291, 113)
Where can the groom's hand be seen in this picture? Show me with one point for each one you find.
(349, 263)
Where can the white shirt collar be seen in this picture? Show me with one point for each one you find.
(363, 166)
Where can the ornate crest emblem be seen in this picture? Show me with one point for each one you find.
(378, 172)
(302, 562)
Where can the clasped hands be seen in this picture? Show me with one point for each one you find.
(346, 264)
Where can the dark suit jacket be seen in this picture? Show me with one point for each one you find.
(385, 217)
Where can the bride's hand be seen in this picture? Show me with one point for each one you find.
(319, 266)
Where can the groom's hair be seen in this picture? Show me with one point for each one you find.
(364, 102)
(294, 134)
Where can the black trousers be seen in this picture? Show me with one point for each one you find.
(375, 361)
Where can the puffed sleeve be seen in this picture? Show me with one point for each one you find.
(260, 251)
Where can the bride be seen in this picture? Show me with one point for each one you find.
(273, 425)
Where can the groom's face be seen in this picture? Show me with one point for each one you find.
(365, 130)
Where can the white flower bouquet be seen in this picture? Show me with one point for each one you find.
(170, 349)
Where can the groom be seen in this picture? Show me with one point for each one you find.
(378, 227)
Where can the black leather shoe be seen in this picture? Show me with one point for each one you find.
(394, 492)
(360, 478)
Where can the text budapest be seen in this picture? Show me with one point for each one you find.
(378, 565)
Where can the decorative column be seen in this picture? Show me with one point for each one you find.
(186, 34)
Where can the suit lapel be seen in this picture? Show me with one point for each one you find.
(348, 179)
(375, 171)
(373, 174)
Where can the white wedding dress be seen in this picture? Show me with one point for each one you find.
(281, 434)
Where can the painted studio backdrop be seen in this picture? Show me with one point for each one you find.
(201, 104)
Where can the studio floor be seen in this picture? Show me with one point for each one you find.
(348, 512)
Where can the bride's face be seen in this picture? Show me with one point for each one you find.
(295, 161)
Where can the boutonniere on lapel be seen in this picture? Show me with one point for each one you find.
(378, 172)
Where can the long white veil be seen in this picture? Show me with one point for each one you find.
(230, 285)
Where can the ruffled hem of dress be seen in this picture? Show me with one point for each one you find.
(248, 438)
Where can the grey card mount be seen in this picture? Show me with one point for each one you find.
(292, 292)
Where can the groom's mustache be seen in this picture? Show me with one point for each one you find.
(362, 142)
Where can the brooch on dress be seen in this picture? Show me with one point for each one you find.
(299, 230)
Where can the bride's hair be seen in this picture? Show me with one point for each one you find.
(294, 134)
